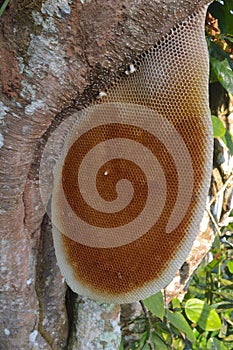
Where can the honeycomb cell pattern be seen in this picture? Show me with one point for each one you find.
(131, 182)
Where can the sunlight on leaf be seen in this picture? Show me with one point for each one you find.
(218, 127)
(202, 314)
(230, 266)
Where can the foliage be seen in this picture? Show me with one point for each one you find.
(3, 6)
(204, 319)
(220, 43)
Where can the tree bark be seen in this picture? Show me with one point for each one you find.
(55, 58)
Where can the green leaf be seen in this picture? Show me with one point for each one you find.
(222, 306)
(179, 322)
(158, 343)
(155, 304)
(143, 339)
(218, 126)
(228, 140)
(175, 303)
(226, 295)
(228, 6)
(213, 263)
(215, 344)
(223, 73)
(200, 312)
(121, 347)
(228, 285)
(230, 266)
(4, 5)
(229, 338)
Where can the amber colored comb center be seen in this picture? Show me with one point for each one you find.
(132, 175)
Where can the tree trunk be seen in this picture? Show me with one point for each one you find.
(56, 56)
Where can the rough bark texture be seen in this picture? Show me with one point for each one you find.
(55, 57)
(96, 327)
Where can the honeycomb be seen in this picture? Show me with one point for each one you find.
(131, 179)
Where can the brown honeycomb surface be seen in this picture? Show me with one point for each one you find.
(130, 158)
